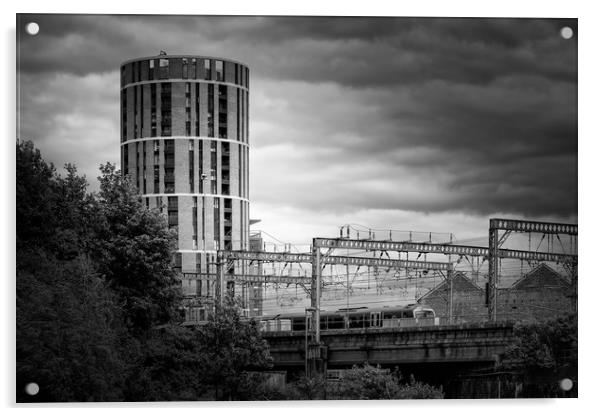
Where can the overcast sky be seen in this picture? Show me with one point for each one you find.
(411, 124)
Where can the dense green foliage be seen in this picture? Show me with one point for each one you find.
(550, 345)
(231, 347)
(209, 362)
(543, 354)
(97, 299)
(69, 336)
(132, 248)
(373, 383)
(359, 383)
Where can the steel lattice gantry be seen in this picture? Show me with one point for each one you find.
(532, 226)
(453, 249)
(225, 256)
(492, 253)
(495, 252)
(345, 260)
(252, 278)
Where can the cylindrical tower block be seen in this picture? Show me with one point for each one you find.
(185, 144)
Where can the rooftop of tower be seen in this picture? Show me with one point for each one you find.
(167, 56)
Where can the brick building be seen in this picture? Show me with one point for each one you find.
(185, 144)
(539, 295)
(468, 300)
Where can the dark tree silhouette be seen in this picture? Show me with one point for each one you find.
(97, 299)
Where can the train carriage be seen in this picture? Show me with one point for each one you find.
(355, 318)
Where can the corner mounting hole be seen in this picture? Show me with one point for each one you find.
(566, 32)
(32, 28)
(32, 389)
(566, 384)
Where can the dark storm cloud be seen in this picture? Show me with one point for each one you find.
(429, 115)
(351, 51)
(385, 51)
(437, 147)
(72, 119)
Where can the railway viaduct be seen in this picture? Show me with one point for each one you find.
(465, 346)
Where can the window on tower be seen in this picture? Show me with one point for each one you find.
(219, 70)
(124, 117)
(194, 223)
(169, 178)
(188, 116)
(210, 110)
(197, 110)
(135, 70)
(225, 168)
(184, 68)
(125, 160)
(165, 109)
(153, 88)
(144, 169)
(191, 165)
(223, 111)
(207, 68)
(216, 223)
(156, 166)
(151, 69)
(136, 112)
(172, 212)
(163, 68)
(193, 69)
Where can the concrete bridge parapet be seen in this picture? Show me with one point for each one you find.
(482, 342)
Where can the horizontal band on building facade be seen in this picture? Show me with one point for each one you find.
(201, 251)
(196, 194)
(217, 139)
(176, 80)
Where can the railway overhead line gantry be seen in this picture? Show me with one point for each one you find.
(318, 259)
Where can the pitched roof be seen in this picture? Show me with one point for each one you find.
(540, 277)
(461, 283)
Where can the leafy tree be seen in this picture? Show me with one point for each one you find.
(366, 383)
(52, 211)
(547, 345)
(230, 346)
(97, 299)
(418, 390)
(73, 211)
(374, 383)
(167, 366)
(133, 248)
(35, 191)
(543, 354)
(69, 337)
(92, 271)
(310, 388)
(258, 386)
(210, 362)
